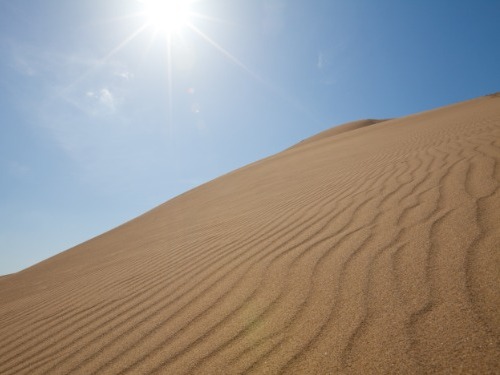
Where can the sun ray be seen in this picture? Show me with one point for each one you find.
(63, 91)
(271, 87)
(123, 43)
(226, 53)
(155, 22)
(170, 88)
(210, 18)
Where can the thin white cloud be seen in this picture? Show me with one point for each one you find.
(321, 60)
(100, 100)
(79, 102)
(126, 75)
(329, 76)
(65, 76)
(107, 99)
(72, 96)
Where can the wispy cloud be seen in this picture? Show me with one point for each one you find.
(325, 59)
(104, 97)
(76, 99)
(100, 89)
(321, 60)
(125, 74)
(324, 65)
(70, 79)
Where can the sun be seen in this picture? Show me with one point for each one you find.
(168, 16)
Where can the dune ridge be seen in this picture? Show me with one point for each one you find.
(347, 127)
(369, 248)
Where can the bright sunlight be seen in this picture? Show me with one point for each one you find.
(167, 16)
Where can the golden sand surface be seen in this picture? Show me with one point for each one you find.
(368, 249)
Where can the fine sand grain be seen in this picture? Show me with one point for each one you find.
(368, 249)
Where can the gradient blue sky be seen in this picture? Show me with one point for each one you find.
(98, 124)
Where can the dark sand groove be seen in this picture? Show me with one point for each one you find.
(369, 248)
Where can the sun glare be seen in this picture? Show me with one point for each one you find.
(167, 16)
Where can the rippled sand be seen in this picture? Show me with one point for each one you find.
(371, 248)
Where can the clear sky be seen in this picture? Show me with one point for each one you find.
(105, 113)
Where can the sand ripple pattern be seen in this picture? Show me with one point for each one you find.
(374, 249)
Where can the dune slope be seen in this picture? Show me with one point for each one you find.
(372, 250)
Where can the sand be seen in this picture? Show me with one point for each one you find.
(368, 249)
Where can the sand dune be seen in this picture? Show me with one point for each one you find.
(366, 249)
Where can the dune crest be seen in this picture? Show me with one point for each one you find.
(347, 127)
(367, 249)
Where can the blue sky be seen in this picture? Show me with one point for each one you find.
(102, 119)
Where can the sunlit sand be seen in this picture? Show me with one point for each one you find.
(371, 248)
